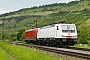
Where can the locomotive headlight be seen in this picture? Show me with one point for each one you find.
(63, 36)
(75, 36)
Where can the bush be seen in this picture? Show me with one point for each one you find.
(89, 43)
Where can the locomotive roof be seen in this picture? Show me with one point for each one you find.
(31, 30)
(48, 26)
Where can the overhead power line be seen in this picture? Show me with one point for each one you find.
(45, 14)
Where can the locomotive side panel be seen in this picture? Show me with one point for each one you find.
(31, 33)
(46, 33)
(69, 34)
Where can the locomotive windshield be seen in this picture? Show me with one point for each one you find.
(68, 28)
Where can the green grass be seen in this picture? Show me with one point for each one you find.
(83, 46)
(3, 55)
(25, 53)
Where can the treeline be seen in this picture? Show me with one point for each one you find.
(44, 8)
(47, 7)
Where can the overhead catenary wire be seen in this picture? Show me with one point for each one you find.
(45, 14)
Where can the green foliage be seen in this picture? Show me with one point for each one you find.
(72, 3)
(9, 36)
(81, 46)
(89, 43)
(83, 33)
(21, 34)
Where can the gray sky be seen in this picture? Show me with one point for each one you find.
(13, 5)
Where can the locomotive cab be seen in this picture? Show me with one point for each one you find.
(66, 33)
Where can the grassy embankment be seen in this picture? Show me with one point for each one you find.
(82, 46)
(25, 53)
(3, 55)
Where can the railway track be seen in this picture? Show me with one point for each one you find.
(75, 52)
(75, 48)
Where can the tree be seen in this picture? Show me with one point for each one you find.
(83, 33)
(20, 34)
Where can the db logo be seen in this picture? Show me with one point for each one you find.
(68, 33)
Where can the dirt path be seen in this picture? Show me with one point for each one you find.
(12, 58)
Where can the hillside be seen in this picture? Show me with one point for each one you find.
(73, 12)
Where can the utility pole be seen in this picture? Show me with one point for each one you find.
(3, 29)
(12, 35)
(12, 31)
(36, 23)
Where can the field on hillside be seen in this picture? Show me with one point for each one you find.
(73, 12)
